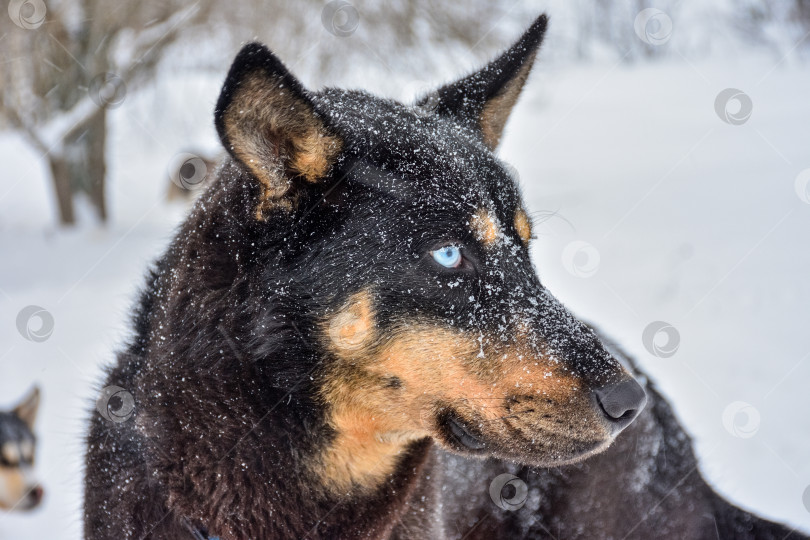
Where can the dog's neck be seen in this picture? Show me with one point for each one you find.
(368, 511)
(374, 511)
(290, 487)
(364, 452)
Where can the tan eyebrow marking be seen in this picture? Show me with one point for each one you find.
(523, 225)
(27, 451)
(485, 227)
(11, 453)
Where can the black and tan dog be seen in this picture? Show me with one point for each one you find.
(19, 489)
(349, 321)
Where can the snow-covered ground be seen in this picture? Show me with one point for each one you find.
(686, 220)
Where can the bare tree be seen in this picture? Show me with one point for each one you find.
(781, 25)
(66, 64)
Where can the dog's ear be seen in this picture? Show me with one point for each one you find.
(27, 409)
(485, 98)
(267, 121)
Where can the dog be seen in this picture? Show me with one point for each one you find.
(19, 490)
(347, 339)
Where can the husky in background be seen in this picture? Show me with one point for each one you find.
(19, 490)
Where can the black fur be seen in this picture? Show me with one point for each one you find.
(228, 355)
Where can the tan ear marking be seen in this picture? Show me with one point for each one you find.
(315, 155)
(496, 111)
(278, 136)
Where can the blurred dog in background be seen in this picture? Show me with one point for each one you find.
(19, 490)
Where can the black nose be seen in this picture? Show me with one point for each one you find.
(36, 495)
(621, 403)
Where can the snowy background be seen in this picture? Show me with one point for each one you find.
(650, 207)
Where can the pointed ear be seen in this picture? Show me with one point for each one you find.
(485, 98)
(267, 121)
(27, 409)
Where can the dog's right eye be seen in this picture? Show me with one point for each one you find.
(448, 256)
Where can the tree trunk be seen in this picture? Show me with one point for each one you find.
(85, 147)
(64, 193)
(80, 167)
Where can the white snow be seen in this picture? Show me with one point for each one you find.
(695, 222)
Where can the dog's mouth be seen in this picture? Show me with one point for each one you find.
(543, 447)
(459, 434)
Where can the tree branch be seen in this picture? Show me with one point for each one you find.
(27, 130)
(158, 36)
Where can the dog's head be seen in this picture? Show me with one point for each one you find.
(18, 489)
(413, 242)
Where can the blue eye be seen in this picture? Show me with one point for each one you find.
(448, 256)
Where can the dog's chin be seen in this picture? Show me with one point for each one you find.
(460, 437)
(581, 452)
